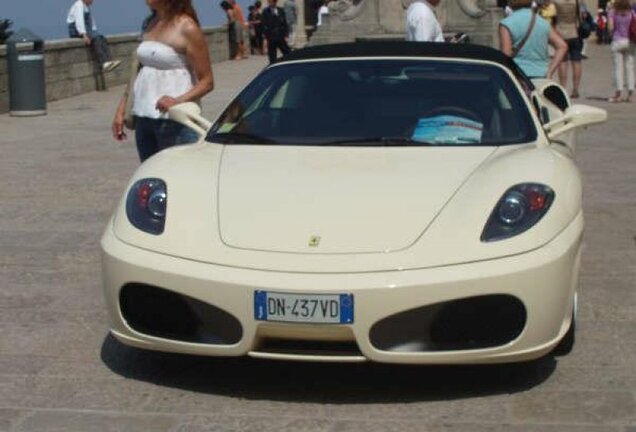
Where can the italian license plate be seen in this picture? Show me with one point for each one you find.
(303, 308)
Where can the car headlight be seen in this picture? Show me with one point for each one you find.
(146, 205)
(518, 210)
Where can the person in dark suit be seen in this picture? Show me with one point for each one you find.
(275, 29)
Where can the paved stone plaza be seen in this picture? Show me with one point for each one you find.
(60, 178)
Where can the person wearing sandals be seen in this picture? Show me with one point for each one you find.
(525, 37)
(568, 20)
(174, 68)
(620, 18)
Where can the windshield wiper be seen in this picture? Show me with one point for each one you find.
(380, 141)
(240, 138)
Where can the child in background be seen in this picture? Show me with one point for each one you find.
(602, 35)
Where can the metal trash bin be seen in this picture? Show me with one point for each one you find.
(25, 68)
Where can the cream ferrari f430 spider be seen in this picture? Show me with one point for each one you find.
(393, 202)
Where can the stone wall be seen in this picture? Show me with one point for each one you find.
(70, 69)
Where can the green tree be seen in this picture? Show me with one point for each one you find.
(5, 33)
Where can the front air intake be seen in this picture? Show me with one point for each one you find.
(166, 314)
(464, 324)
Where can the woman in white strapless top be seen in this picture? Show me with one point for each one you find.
(174, 68)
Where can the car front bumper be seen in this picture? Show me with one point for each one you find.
(544, 280)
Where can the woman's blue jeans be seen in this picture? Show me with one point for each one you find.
(154, 135)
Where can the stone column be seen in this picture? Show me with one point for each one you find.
(301, 33)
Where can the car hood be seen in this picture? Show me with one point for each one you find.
(326, 200)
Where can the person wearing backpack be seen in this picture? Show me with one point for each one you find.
(621, 18)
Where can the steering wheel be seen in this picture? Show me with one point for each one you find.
(453, 110)
(447, 110)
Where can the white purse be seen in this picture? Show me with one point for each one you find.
(620, 45)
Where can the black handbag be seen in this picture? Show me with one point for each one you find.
(585, 30)
(584, 27)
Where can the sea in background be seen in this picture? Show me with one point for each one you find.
(47, 18)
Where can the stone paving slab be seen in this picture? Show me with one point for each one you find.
(62, 175)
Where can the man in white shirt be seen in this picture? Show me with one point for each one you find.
(82, 25)
(323, 11)
(421, 22)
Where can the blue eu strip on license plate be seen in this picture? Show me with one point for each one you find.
(303, 308)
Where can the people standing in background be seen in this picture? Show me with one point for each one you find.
(525, 37)
(291, 14)
(602, 33)
(507, 10)
(322, 11)
(421, 22)
(548, 12)
(81, 24)
(234, 31)
(275, 29)
(252, 21)
(258, 27)
(241, 26)
(620, 18)
(567, 22)
(174, 68)
(585, 17)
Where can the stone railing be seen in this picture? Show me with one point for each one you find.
(70, 69)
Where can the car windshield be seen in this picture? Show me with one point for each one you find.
(378, 103)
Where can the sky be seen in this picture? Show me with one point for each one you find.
(47, 18)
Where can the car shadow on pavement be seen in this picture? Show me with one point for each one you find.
(321, 382)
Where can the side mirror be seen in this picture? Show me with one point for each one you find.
(552, 92)
(574, 117)
(189, 114)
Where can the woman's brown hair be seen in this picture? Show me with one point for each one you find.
(175, 8)
(622, 5)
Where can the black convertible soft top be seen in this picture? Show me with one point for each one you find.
(407, 49)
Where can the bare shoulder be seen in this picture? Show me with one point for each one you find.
(189, 27)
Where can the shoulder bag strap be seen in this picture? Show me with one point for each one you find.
(517, 49)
